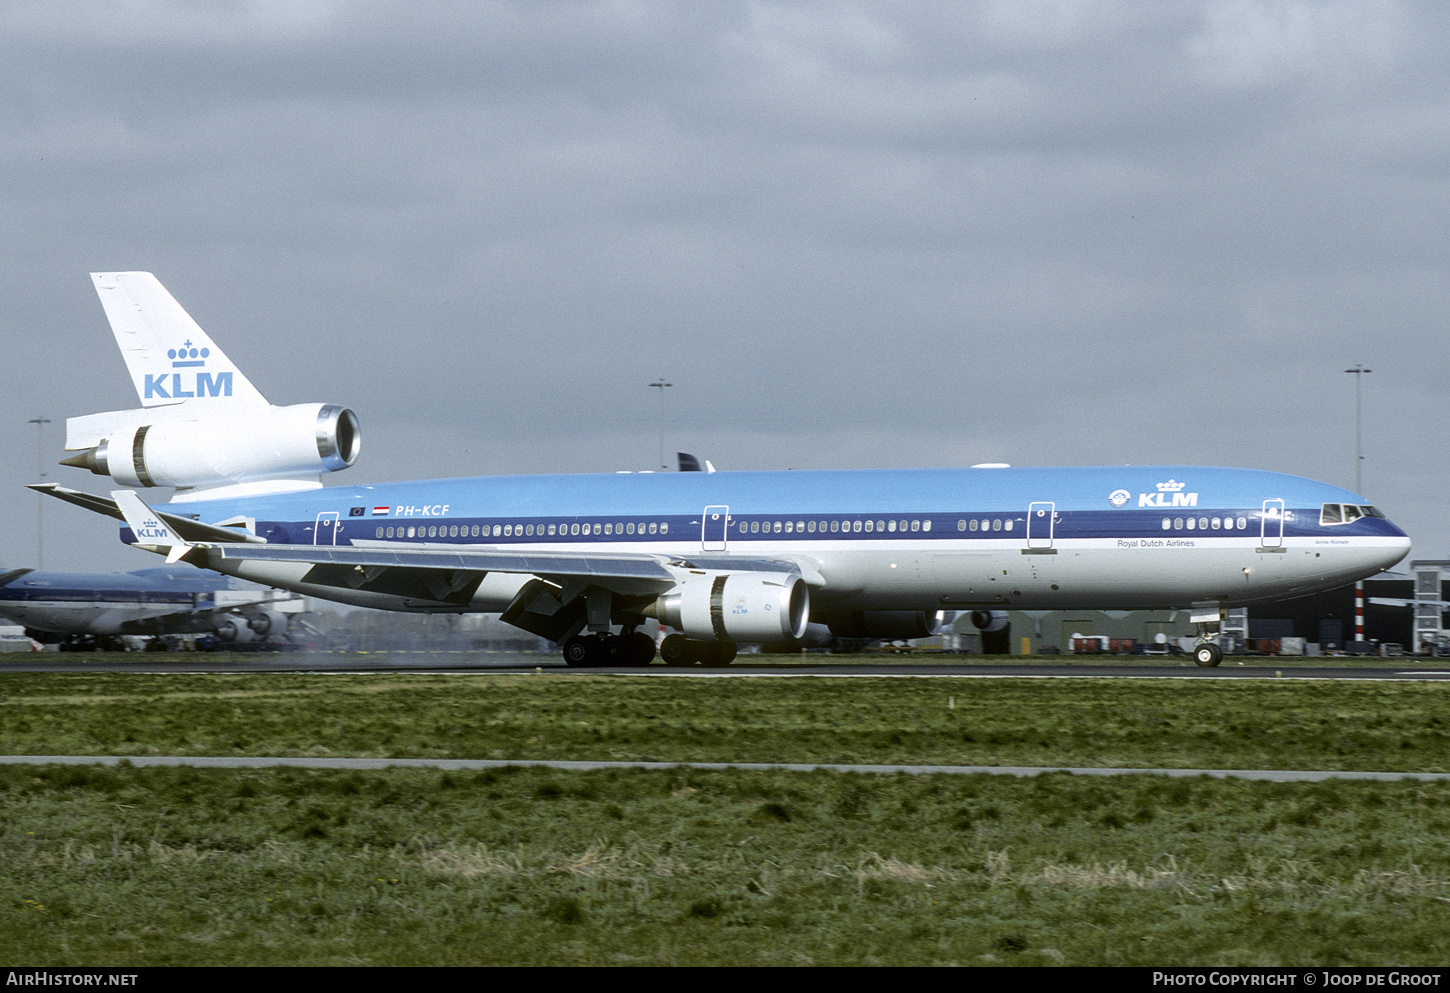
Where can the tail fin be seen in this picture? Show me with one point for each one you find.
(169, 356)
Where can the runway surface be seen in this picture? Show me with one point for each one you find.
(744, 667)
(447, 662)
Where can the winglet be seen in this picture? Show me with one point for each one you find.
(151, 532)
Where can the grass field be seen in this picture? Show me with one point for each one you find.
(534, 866)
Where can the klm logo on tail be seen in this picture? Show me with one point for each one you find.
(204, 384)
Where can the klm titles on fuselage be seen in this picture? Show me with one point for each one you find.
(1170, 494)
(1161, 499)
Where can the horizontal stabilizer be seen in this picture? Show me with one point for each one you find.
(182, 527)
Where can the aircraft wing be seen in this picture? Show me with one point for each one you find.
(552, 603)
(645, 571)
(623, 572)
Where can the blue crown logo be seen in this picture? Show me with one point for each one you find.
(187, 356)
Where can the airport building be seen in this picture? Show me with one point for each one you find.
(1403, 612)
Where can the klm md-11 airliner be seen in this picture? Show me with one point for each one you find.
(722, 558)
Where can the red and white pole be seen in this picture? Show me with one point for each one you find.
(1359, 611)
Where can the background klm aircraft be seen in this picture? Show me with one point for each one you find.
(722, 557)
(91, 610)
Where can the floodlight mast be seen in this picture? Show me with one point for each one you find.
(40, 423)
(661, 385)
(1359, 372)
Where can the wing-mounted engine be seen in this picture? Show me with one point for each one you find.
(268, 624)
(294, 442)
(750, 607)
(988, 621)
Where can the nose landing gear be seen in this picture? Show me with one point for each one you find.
(1207, 655)
(1209, 620)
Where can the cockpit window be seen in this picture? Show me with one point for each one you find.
(1345, 513)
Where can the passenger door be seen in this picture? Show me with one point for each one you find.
(1040, 520)
(714, 529)
(1271, 524)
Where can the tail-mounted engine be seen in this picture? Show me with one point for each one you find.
(273, 443)
(751, 607)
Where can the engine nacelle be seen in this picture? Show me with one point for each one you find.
(268, 624)
(891, 625)
(989, 620)
(233, 628)
(752, 607)
(276, 443)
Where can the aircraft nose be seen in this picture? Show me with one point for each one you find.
(1395, 550)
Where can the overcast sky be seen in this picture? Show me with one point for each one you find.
(850, 234)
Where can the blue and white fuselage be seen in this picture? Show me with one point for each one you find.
(1030, 538)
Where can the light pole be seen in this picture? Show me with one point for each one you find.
(661, 385)
(1359, 373)
(40, 423)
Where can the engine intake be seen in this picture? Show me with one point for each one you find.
(989, 620)
(751, 607)
(268, 624)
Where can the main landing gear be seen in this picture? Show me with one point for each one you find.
(638, 649)
(593, 650)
